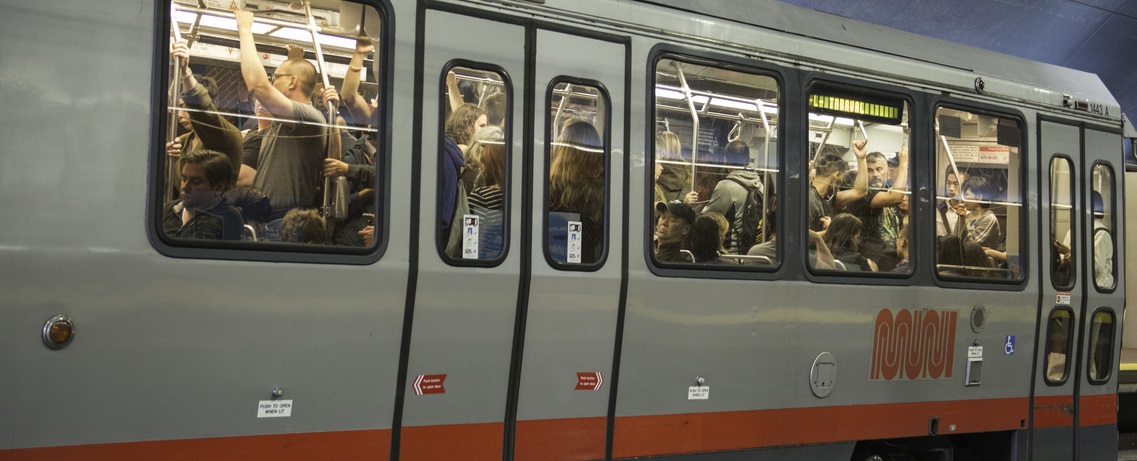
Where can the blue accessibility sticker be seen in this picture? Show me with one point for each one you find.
(1009, 346)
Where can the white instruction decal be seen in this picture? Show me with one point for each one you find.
(699, 393)
(975, 352)
(574, 242)
(470, 236)
(1063, 298)
(274, 408)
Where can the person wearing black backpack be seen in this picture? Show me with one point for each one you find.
(739, 198)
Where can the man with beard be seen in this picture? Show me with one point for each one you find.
(879, 209)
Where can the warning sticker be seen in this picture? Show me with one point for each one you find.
(1063, 298)
(575, 235)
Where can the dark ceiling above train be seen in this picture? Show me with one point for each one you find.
(1097, 36)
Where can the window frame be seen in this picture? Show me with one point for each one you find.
(1071, 332)
(915, 181)
(786, 84)
(1074, 231)
(606, 138)
(1109, 350)
(1001, 112)
(507, 131)
(269, 251)
(1112, 225)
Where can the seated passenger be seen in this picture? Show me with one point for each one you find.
(981, 224)
(704, 241)
(962, 258)
(902, 251)
(671, 230)
(576, 183)
(202, 212)
(303, 226)
(488, 200)
(843, 239)
(730, 196)
(252, 204)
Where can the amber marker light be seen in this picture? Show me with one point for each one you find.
(58, 331)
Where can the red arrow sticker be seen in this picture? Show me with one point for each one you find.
(589, 381)
(429, 384)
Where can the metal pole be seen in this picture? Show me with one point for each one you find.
(828, 130)
(172, 120)
(765, 164)
(332, 115)
(694, 120)
(560, 108)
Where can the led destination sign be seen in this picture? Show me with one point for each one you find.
(857, 108)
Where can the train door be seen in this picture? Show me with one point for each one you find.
(469, 262)
(577, 250)
(1059, 311)
(1099, 221)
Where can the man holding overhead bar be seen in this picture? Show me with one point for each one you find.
(290, 161)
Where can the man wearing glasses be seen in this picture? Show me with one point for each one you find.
(290, 161)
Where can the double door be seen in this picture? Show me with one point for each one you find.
(511, 342)
(1074, 414)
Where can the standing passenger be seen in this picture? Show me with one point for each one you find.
(488, 200)
(576, 183)
(730, 195)
(207, 129)
(289, 163)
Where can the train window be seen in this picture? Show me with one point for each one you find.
(979, 214)
(1061, 223)
(1101, 204)
(715, 166)
(473, 159)
(577, 158)
(251, 155)
(1101, 346)
(858, 194)
(1059, 334)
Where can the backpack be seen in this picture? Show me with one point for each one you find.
(750, 220)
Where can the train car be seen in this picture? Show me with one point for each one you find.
(548, 230)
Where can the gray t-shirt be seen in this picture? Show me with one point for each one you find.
(291, 160)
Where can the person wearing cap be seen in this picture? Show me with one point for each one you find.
(671, 230)
(893, 169)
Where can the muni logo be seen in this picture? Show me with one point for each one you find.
(913, 344)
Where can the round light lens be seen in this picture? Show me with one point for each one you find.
(58, 331)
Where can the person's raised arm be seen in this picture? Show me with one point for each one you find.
(253, 71)
(861, 185)
(895, 195)
(356, 105)
(454, 95)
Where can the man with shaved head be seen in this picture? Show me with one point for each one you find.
(289, 163)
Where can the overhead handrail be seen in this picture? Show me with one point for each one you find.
(560, 108)
(268, 21)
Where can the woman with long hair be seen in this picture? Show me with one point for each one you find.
(843, 239)
(487, 201)
(576, 183)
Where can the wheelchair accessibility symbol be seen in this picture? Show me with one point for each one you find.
(1009, 346)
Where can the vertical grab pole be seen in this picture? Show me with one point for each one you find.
(694, 120)
(332, 114)
(175, 92)
(560, 108)
(828, 130)
(765, 167)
